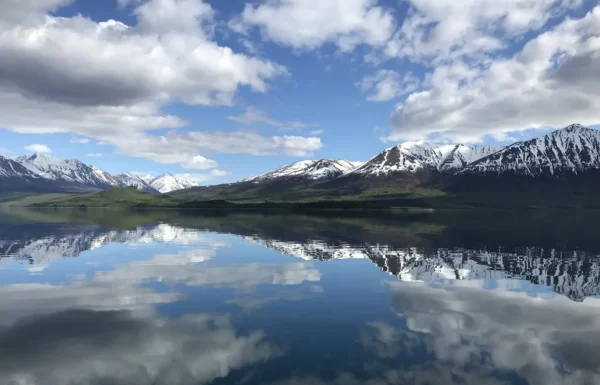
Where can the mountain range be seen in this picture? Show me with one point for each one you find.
(562, 163)
(548, 169)
(575, 274)
(46, 173)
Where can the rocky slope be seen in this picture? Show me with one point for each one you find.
(322, 169)
(67, 171)
(15, 177)
(570, 151)
(412, 157)
(130, 180)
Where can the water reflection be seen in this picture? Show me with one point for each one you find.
(186, 298)
(116, 347)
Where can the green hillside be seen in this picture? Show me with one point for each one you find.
(118, 197)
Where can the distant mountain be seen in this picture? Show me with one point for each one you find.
(418, 173)
(130, 180)
(167, 183)
(67, 172)
(308, 170)
(43, 172)
(570, 151)
(412, 157)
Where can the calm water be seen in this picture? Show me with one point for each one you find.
(161, 297)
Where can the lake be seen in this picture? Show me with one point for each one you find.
(341, 298)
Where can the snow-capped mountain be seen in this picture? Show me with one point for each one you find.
(67, 171)
(147, 178)
(461, 155)
(131, 180)
(106, 177)
(412, 157)
(308, 169)
(43, 172)
(11, 169)
(167, 183)
(569, 151)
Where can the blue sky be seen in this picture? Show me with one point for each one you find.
(220, 90)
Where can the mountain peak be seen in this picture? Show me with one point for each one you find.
(307, 169)
(575, 127)
(167, 183)
(412, 157)
(568, 151)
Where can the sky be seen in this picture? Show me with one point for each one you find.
(218, 90)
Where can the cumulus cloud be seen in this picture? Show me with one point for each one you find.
(73, 74)
(442, 31)
(309, 24)
(474, 91)
(386, 85)
(199, 178)
(253, 115)
(38, 148)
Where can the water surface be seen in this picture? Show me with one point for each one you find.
(200, 297)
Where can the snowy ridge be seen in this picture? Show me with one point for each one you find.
(308, 169)
(105, 177)
(67, 170)
(167, 183)
(11, 169)
(412, 157)
(575, 274)
(569, 151)
(74, 172)
(131, 180)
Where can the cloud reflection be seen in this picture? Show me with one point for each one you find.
(544, 342)
(89, 347)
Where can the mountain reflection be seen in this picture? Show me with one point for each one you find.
(282, 299)
(412, 250)
(575, 274)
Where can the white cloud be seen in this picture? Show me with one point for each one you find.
(317, 132)
(199, 178)
(309, 24)
(386, 85)
(95, 155)
(447, 29)
(553, 81)
(254, 115)
(79, 77)
(28, 11)
(79, 140)
(200, 162)
(38, 148)
(230, 142)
